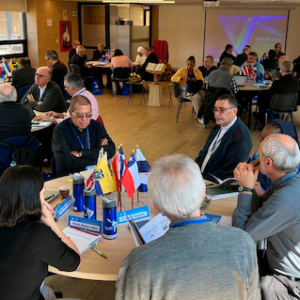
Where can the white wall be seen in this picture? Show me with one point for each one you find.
(183, 28)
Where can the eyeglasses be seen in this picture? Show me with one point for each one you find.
(81, 115)
(40, 76)
(221, 110)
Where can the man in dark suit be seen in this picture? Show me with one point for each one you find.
(44, 95)
(151, 58)
(208, 66)
(59, 70)
(100, 52)
(242, 58)
(228, 144)
(286, 84)
(23, 76)
(73, 50)
(15, 119)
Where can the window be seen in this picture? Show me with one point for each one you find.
(13, 42)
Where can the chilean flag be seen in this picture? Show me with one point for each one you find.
(131, 178)
(144, 170)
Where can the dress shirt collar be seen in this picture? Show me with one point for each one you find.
(79, 92)
(229, 125)
(223, 69)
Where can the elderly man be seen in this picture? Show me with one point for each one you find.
(79, 59)
(251, 67)
(78, 139)
(151, 58)
(221, 78)
(227, 144)
(23, 76)
(99, 52)
(44, 95)
(278, 218)
(15, 119)
(208, 66)
(74, 86)
(59, 70)
(73, 50)
(287, 84)
(195, 259)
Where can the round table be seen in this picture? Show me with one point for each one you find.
(93, 266)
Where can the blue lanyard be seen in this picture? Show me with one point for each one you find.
(289, 178)
(87, 140)
(189, 223)
(216, 142)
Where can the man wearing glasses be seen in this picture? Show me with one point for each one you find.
(77, 140)
(44, 95)
(228, 144)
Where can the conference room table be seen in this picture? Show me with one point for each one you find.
(97, 64)
(36, 126)
(95, 267)
(253, 90)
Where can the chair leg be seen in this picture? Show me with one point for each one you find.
(130, 95)
(256, 121)
(178, 111)
(266, 119)
(170, 93)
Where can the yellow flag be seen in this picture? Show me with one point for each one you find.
(11, 66)
(103, 176)
(113, 177)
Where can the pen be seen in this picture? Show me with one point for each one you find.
(99, 252)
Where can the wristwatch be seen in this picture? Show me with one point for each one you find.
(245, 189)
(51, 119)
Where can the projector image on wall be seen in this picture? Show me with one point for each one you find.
(210, 3)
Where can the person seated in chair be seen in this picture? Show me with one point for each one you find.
(99, 53)
(15, 118)
(140, 56)
(151, 58)
(23, 76)
(228, 144)
(190, 80)
(287, 84)
(73, 50)
(208, 66)
(77, 140)
(44, 95)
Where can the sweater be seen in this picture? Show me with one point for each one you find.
(182, 73)
(234, 148)
(197, 261)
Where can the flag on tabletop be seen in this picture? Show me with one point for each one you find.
(6, 66)
(115, 165)
(123, 167)
(101, 179)
(11, 66)
(144, 170)
(131, 178)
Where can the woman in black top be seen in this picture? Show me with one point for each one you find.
(30, 238)
(227, 53)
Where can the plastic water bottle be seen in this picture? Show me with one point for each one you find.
(90, 204)
(109, 218)
(78, 186)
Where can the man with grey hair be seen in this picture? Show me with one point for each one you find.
(278, 218)
(74, 86)
(44, 95)
(286, 84)
(15, 119)
(195, 259)
(221, 78)
(58, 69)
(208, 66)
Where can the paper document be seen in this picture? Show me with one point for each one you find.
(83, 240)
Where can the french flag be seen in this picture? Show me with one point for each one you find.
(144, 170)
(131, 178)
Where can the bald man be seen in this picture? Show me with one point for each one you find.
(44, 95)
(73, 50)
(278, 218)
(99, 52)
(15, 119)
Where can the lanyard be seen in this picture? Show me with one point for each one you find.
(87, 140)
(289, 178)
(216, 142)
(189, 223)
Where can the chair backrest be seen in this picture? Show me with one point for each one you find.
(23, 90)
(17, 141)
(75, 69)
(121, 73)
(284, 102)
(176, 89)
(100, 120)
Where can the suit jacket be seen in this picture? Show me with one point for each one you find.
(98, 54)
(71, 53)
(152, 58)
(52, 98)
(234, 148)
(22, 77)
(287, 84)
(205, 72)
(80, 62)
(240, 59)
(59, 72)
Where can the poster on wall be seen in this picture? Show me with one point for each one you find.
(65, 36)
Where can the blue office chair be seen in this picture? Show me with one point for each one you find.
(88, 80)
(23, 90)
(7, 147)
(181, 100)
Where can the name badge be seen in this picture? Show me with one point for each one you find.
(90, 225)
(63, 207)
(136, 214)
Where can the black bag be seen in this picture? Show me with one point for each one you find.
(21, 155)
(194, 87)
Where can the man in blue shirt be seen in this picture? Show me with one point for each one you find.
(77, 140)
(251, 66)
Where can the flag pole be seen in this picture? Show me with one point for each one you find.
(132, 202)
(119, 191)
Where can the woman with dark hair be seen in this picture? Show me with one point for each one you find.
(31, 238)
(227, 53)
(190, 81)
(120, 60)
(271, 62)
